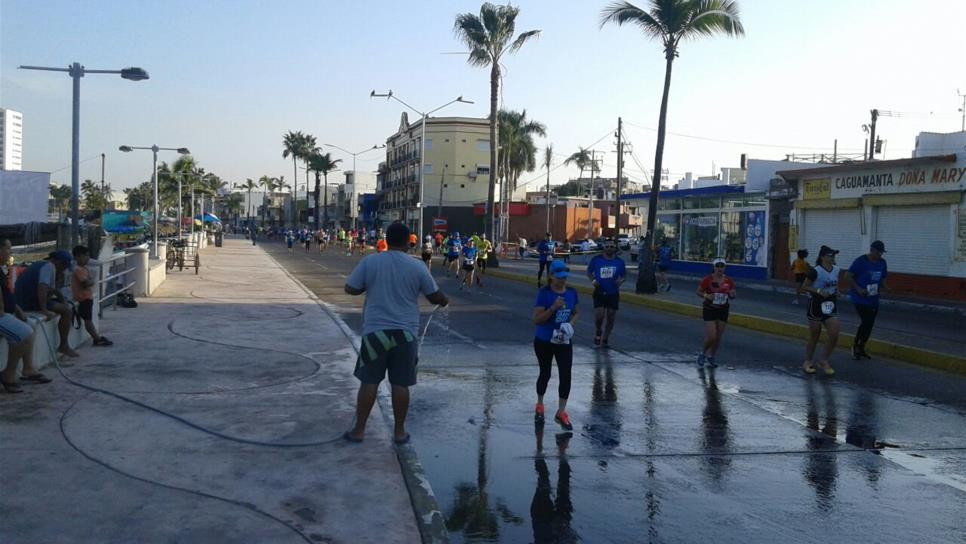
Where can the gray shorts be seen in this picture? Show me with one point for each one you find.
(14, 330)
(395, 351)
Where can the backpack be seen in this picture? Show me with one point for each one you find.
(126, 300)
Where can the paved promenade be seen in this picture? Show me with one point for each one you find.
(241, 350)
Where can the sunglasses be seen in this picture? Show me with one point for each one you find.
(719, 265)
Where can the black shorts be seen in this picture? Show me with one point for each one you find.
(451, 258)
(85, 309)
(663, 268)
(395, 351)
(412, 245)
(468, 267)
(800, 279)
(427, 255)
(715, 313)
(814, 310)
(603, 300)
(481, 263)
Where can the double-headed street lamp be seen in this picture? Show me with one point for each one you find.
(76, 71)
(154, 180)
(422, 141)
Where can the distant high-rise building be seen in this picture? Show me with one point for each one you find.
(11, 140)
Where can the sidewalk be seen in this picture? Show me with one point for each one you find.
(929, 329)
(242, 350)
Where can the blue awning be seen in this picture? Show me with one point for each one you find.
(682, 193)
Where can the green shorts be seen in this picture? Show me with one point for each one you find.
(395, 351)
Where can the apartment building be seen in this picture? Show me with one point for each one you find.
(11, 139)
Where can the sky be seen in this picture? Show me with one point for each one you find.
(229, 78)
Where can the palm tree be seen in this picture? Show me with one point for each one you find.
(547, 161)
(322, 164)
(299, 145)
(489, 36)
(268, 185)
(60, 194)
(581, 158)
(518, 153)
(249, 186)
(671, 21)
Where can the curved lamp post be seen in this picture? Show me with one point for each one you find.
(154, 181)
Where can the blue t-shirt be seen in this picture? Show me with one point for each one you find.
(607, 272)
(469, 254)
(546, 251)
(545, 299)
(866, 274)
(664, 255)
(455, 246)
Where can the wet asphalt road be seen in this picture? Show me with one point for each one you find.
(662, 452)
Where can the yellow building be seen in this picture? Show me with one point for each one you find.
(456, 172)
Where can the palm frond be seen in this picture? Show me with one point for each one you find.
(522, 39)
(621, 13)
(712, 17)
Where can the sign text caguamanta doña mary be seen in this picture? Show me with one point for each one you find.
(914, 180)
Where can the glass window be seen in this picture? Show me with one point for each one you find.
(429, 143)
(733, 237)
(483, 145)
(744, 201)
(701, 202)
(668, 203)
(699, 236)
(427, 168)
(668, 227)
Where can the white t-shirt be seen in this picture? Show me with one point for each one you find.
(393, 282)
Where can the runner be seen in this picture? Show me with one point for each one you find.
(289, 239)
(362, 242)
(453, 249)
(484, 249)
(554, 314)
(439, 243)
(308, 242)
(546, 257)
(800, 268)
(822, 285)
(322, 238)
(381, 245)
(868, 274)
(664, 255)
(469, 264)
(413, 239)
(606, 272)
(717, 290)
(427, 252)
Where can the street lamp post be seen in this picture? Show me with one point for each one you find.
(422, 142)
(354, 172)
(77, 71)
(154, 181)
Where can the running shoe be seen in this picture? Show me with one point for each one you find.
(864, 354)
(701, 360)
(564, 420)
(538, 413)
(808, 367)
(827, 368)
(856, 353)
(711, 362)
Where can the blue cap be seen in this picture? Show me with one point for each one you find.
(559, 269)
(63, 256)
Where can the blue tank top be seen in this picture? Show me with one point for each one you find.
(25, 290)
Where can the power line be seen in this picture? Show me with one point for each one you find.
(737, 142)
(561, 164)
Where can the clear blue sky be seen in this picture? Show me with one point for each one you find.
(228, 78)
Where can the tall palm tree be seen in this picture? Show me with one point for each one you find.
(581, 158)
(281, 184)
(322, 163)
(489, 36)
(518, 154)
(249, 186)
(60, 194)
(298, 145)
(268, 186)
(547, 161)
(671, 21)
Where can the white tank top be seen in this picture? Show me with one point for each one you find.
(826, 280)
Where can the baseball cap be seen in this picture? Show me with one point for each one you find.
(718, 261)
(62, 256)
(827, 251)
(559, 269)
(878, 246)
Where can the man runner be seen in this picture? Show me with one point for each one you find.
(606, 272)
(545, 249)
(484, 248)
(454, 246)
(469, 264)
(427, 252)
(868, 274)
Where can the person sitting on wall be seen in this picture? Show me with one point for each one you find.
(36, 291)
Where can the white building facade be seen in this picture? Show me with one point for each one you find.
(11, 139)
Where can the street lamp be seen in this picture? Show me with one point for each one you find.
(76, 71)
(422, 141)
(354, 173)
(154, 180)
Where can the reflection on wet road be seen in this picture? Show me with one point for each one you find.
(752, 451)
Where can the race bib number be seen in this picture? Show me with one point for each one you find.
(607, 272)
(558, 337)
(720, 299)
(828, 307)
(873, 289)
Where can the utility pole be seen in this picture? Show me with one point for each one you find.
(546, 201)
(439, 207)
(875, 117)
(962, 127)
(620, 173)
(590, 206)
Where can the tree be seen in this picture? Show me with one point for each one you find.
(582, 159)
(60, 194)
(322, 164)
(547, 161)
(268, 185)
(249, 186)
(518, 153)
(489, 36)
(571, 188)
(299, 146)
(671, 21)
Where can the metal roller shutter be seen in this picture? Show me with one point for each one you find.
(837, 228)
(916, 238)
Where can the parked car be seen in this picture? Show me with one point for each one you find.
(591, 245)
(624, 242)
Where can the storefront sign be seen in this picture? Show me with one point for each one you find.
(701, 220)
(911, 180)
(817, 189)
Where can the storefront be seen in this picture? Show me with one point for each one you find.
(915, 206)
(709, 222)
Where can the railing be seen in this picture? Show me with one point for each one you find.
(115, 274)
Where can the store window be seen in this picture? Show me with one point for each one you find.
(668, 203)
(699, 241)
(744, 201)
(668, 227)
(483, 145)
(702, 202)
(733, 237)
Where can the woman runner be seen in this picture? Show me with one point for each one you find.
(717, 291)
(428, 252)
(822, 286)
(554, 314)
(469, 264)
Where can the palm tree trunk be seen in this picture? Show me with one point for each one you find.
(325, 200)
(295, 187)
(315, 194)
(491, 190)
(646, 282)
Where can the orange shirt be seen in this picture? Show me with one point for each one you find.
(77, 288)
(412, 239)
(381, 245)
(800, 266)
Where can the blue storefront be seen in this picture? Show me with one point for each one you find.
(709, 222)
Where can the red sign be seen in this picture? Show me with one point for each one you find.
(517, 209)
(440, 224)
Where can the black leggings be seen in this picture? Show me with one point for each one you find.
(543, 266)
(546, 352)
(867, 314)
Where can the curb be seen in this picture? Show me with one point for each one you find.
(907, 354)
(429, 518)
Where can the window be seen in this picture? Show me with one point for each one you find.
(668, 204)
(733, 237)
(483, 145)
(668, 227)
(702, 202)
(429, 143)
(482, 170)
(427, 168)
(699, 241)
(744, 201)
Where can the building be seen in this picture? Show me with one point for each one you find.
(456, 173)
(11, 140)
(914, 205)
(348, 198)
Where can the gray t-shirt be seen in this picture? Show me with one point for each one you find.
(393, 282)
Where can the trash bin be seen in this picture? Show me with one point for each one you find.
(218, 238)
